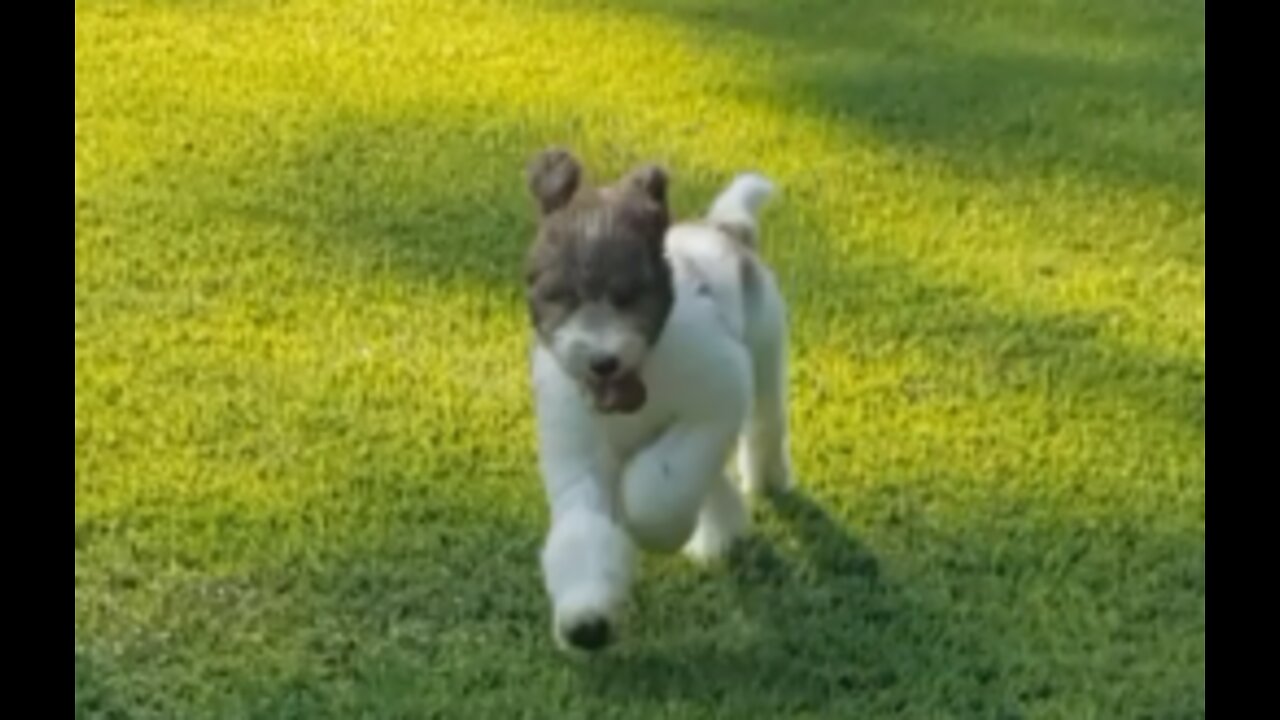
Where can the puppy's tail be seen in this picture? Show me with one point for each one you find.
(735, 209)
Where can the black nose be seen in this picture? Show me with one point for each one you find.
(604, 365)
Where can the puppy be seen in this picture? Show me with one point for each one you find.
(659, 347)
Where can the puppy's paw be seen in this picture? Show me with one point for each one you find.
(775, 479)
(585, 634)
(586, 621)
(723, 521)
(706, 547)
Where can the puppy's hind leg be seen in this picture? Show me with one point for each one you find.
(723, 519)
(764, 461)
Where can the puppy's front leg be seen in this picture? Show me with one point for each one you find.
(588, 559)
(587, 562)
(666, 484)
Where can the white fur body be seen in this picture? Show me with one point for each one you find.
(657, 478)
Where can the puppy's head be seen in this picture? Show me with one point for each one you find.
(597, 283)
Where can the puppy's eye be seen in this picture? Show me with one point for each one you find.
(624, 298)
(556, 295)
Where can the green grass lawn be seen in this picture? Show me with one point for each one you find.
(305, 481)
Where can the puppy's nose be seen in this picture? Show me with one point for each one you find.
(604, 365)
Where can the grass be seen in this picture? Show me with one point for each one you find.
(304, 475)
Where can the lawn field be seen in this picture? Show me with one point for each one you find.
(305, 482)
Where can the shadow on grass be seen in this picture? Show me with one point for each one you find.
(884, 306)
(785, 629)
(93, 695)
(807, 620)
(1113, 91)
(461, 217)
(439, 614)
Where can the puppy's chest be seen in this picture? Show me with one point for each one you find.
(626, 434)
(695, 366)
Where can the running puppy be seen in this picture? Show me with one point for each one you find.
(659, 348)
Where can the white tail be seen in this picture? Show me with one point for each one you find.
(737, 206)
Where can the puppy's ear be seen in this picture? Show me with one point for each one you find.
(650, 180)
(553, 178)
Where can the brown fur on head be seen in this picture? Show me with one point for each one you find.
(598, 285)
